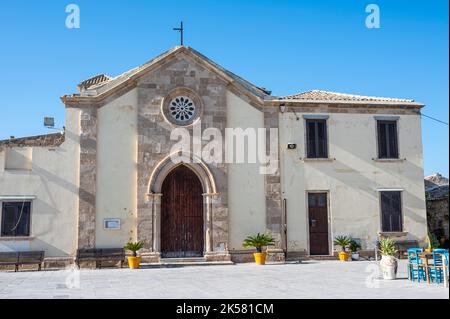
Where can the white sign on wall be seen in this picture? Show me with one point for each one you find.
(111, 224)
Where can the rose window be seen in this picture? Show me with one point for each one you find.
(182, 109)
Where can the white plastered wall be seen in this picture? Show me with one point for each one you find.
(53, 180)
(352, 178)
(117, 170)
(246, 190)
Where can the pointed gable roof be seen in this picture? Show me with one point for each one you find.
(97, 88)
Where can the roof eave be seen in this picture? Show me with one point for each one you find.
(376, 103)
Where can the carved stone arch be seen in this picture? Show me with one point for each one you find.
(165, 166)
(157, 178)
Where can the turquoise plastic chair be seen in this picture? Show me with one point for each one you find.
(436, 271)
(416, 269)
(447, 270)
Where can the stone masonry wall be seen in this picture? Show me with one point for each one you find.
(154, 142)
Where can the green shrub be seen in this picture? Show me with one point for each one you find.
(387, 247)
(354, 246)
(134, 247)
(342, 241)
(259, 241)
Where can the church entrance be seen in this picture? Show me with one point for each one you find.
(182, 229)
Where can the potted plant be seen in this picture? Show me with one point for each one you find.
(354, 246)
(432, 242)
(134, 261)
(259, 241)
(343, 242)
(388, 263)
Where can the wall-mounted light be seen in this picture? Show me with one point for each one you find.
(292, 146)
(49, 122)
(282, 108)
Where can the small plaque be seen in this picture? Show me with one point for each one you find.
(111, 224)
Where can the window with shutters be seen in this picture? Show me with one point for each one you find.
(317, 140)
(387, 139)
(15, 220)
(391, 211)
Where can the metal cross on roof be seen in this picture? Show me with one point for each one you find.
(181, 30)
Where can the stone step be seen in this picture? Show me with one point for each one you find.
(321, 258)
(185, 262)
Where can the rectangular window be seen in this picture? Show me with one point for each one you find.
(387, 139)
(317, 141)
(391, 211)
(16, 219)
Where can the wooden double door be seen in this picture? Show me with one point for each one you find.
(182, 222)
(318, 224)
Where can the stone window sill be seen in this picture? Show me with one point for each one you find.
(393, 234)
(317, 160)
(389, 160)
(16, 238)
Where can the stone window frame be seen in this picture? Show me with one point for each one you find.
(182, 91)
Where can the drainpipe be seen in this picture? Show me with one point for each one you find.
(285, 248)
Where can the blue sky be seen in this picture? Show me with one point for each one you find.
(286, 46)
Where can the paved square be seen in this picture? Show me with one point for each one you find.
(312, 279)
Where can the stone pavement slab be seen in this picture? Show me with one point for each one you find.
(312, 279)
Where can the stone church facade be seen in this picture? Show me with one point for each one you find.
(110, 178)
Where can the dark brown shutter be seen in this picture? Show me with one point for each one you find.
(391, 210)
(387, 139)
(316, 135)
(322, 139)
(382, 146)
(311, 133)
(393, 147)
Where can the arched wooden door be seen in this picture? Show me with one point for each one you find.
(182, 215)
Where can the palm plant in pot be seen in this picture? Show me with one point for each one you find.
(134, 261)
(343, 242)
(388, 263)
(354, 246)
(259, 241)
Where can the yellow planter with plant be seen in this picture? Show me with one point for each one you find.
(134, 261)
(343, 242)
(259, 241)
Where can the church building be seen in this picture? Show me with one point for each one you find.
(339, 164)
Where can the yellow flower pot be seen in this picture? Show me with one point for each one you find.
(134, 262)
(260, 258)
(343, 256)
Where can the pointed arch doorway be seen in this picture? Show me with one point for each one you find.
(182, 218)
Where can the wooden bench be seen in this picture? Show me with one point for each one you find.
(21, 258)
(100, 255)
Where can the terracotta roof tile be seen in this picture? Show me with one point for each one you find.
(48, 140)
(94, 81)
(319, 95)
